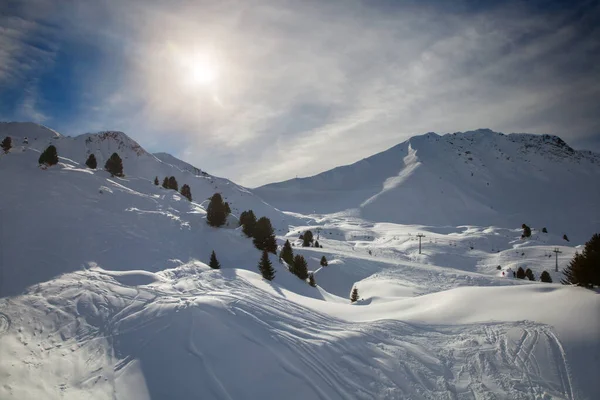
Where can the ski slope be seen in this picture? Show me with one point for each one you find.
(478, 178)
(105, 294)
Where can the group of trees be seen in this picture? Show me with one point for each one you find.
(171, 183)
(261, 231)
(217, 211)
(308, 240)
(584, 268)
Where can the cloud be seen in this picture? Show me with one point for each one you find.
(306, 86)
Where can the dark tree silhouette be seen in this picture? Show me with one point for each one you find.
(300, 267)
(544, 230)
(529, 274)
(7, 144)
(186, 192)
(227, 208)
(91, 162)
(215, 212)
(526, 231)
(114, 165)
(265, 267)
(545, 277)
(165, 183)
(324, 262)
(521, 273)
(156, 181)
(214, 263)
(173, 183)
(248, 222)
(311, 280)
(49, 157)
(287, 254)
(264, 235)
(307, 239)
(354, 295)
(584, 268)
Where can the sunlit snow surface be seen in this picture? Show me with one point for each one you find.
(105, 295)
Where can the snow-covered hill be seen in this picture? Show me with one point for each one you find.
(105, 294)
(479, 178)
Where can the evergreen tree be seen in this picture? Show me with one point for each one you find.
(287, 254)
(311, 280)
(264, 235)
(300, 267)
(317, 243)
(354, 295)
(529, 274)
(214, 263)
(165, 183)
(7, 144)
(114, 165)
(521, 273)
(173, 184)
(215, 212)
(324, 262)
(307, 239)
(544, 230)
(186, 192)
(584, 268)
(526, 231)
(91, 162)
(248, 222)
(156, 181)
(264, 266)
(545, 277)
(227, 208)
(49, 157)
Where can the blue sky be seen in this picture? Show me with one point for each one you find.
(261, 91)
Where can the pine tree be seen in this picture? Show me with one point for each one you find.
(287, 254)
(248, 222)
(521, 273)
(173, 184)
(544, 230)
(307, 239)
(545, 277)
(91, 162)
(156, 181)
(165, 183)
(311, 280)
(49, 157)
(354, 295)
(114, 165)
(265, 267)
(264, 235)
(317, 243)
(529, 274)
(526, 231)
(215, 212)
(214, 263)
(324, 262)
(227, 208)
(7, 144)
(300, 267)
(584, 268)
(186, 192)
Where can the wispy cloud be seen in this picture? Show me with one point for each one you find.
(305, 86)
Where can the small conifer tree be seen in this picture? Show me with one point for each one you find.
(526, 231)
(227, 208)
(264, 235)
(311, 280)
(173, 184)
(287, 254)
(156, 181)
(323, 262)
(214, 263)
(165, 183)
(544, 230)
(114, 165)
(545, 277)
(529, 274)
(91, 162)
(521, 273)
(354, 295)
(584, 268)
(248, 222)
(186, 192)
(49, 157)
(215, 212)
(300, 267)
(307, 239)
(7, 144)
(265, 267)
(317, 243)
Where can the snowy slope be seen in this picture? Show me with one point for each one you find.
(478, 178)
(58, 220)
(105, 294)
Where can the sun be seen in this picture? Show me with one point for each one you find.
(202, 72)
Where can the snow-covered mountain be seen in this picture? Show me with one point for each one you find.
(105, 294)
(479, 177)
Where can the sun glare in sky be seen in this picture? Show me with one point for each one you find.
(200, 69)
